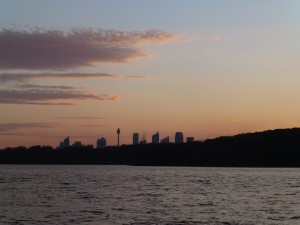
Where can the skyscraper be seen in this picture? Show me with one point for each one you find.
(190, 139)
(64, 144)
(165, 140)
(135, 138)
(155, 138)
(179, 137)
(143, 142)
(101, 143)
(77, 144)
(143, 139)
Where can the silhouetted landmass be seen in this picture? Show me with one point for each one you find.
(274, 148)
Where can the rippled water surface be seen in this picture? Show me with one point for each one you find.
(35, 194)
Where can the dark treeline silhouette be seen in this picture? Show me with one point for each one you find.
(274, 148)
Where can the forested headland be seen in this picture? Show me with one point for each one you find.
(273, 148)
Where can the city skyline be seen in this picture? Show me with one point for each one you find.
(101, 142)
(208, 69)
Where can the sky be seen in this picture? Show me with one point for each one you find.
(206, 68)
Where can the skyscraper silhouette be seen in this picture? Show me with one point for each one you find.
(64, 144)
(190, 139)
(155, 138)
(165, 140)
(179, 137)
(135, 138)
(101, 143)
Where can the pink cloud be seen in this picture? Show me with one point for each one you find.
(22, 92)
(4, 127)
(47, 96)
(80, 117)
(8, 77)
(35, 86)
(96, 126)
(24, 77)
(138, 77)
(48, 49)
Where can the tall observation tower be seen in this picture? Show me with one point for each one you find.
(118, 132)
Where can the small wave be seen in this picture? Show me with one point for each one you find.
(228, 223)
(276, 219)
(185, 222)
(140, 223)
(188, 205)
(97, 212)
(205, 204)
(204, 181)
(295, 218)
(294, 186)
(118, 209)
(148, 195)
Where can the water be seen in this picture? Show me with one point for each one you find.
(36, 194)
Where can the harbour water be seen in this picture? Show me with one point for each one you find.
(64, 194)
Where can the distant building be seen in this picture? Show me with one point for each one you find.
(101, 143)
(143, 142)
(165, 140)
(135, 138)
(179, 137)
(143, 139)
(77, 144)
(89, 146)
(64, 144)
(190, 139)
(155, 138)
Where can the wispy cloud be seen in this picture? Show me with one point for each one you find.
(49, 49)
(19, 77)
(96, 125)
(141, 78)
(4, 127)
(35, 86)
(17, 89)
(17, 129)
(10, 134)
(80, 117)
(24, 77)
(47, 96)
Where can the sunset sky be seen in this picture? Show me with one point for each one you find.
(206, 68)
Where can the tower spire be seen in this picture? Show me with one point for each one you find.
(118, 132)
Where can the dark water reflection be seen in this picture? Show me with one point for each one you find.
(148, 195)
